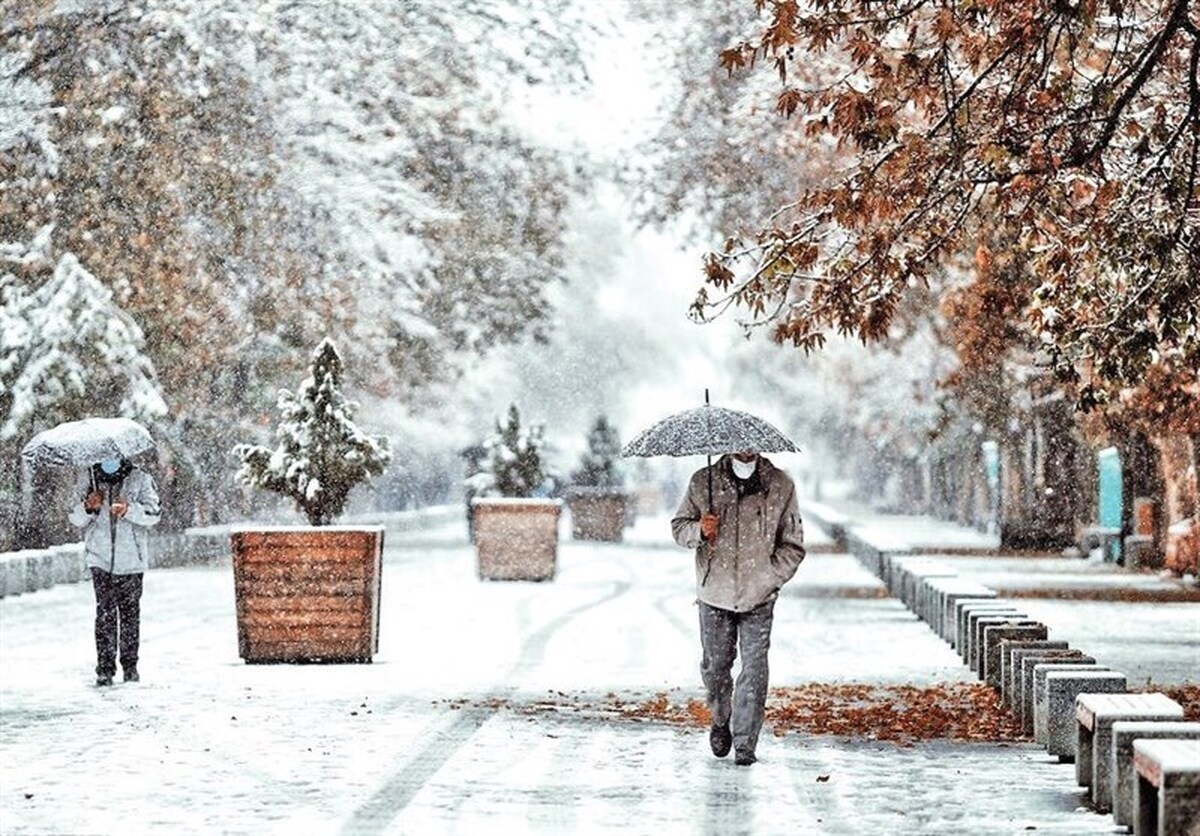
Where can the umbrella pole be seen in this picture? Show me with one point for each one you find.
(710, 484)
(709, 461)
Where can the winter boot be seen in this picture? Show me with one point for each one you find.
(720, 739)
(131, 675)
(103, 680)
(744, 757)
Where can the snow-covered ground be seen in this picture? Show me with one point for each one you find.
(427, 739)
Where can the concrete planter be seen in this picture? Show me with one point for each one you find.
(598, 514)
(516, 539)
(307, 594)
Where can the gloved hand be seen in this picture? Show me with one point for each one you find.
(709, 523)
(119, 507)
(93, 501)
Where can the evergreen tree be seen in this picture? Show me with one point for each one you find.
(321, 453)
(598, 465)
(514, 461)
(67, 350)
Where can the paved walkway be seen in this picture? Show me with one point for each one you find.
(446, 731)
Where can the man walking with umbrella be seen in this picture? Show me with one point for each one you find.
(115, 504)
(741, 517)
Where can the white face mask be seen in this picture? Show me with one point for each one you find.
(744, 470)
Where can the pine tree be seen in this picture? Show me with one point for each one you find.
(67, 350)
(598, 465)
(322, 454)
(514, 460)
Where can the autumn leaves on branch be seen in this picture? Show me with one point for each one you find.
(1068, 130)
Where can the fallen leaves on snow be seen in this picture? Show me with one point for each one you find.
(902, 714)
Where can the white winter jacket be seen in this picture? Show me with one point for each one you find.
(117, 545)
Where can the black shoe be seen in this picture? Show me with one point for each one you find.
(104, 680)
(720, 740)
(131, 675)
(744, 757)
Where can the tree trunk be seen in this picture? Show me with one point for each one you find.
(1142, 477)
(1195, 439)
(1060, 483)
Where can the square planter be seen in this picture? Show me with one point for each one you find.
(307, 594)
(516, 539)
(597, 514)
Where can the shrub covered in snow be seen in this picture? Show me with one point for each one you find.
(67, 349)
(513, 465)
(321, 454)
(598, 467)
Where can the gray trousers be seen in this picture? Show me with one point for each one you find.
(740, 708)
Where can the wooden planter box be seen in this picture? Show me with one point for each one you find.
(598, 514)
(516, 539)
(307, 594)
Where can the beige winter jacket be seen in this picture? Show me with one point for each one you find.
(760, 540)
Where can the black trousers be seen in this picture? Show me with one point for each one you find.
(118, 619)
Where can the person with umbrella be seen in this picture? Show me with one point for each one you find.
(115, 503)
(749, 542)
(741, 517)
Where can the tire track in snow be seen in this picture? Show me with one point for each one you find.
(660, 604)
(398, 791)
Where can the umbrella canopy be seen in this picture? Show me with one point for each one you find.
(709, 430)
(83, 443)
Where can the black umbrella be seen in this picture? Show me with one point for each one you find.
(708, 430)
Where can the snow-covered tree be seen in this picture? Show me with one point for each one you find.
(321, 454)
(598, 467)
(513, 465)
(213, 161)
(67, 350)
(219, 158)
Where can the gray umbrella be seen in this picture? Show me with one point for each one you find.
(83, 443)
(709, 431)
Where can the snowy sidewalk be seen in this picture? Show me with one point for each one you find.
(426, 741)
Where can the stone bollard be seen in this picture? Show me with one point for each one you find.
(1166, 797)
(948, 590)
(1036, 713)
(1011, 667)
(976, 654)
(970, 613)
(69, 563)
(39, 569)
(922, 592)
(1007, 651)
(1062, 688)
(907, 574)
(12, 573)
(995, 640)
(1095, 715)
(1124, 732)
(959, 613)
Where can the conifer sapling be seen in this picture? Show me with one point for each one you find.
(321, 453)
